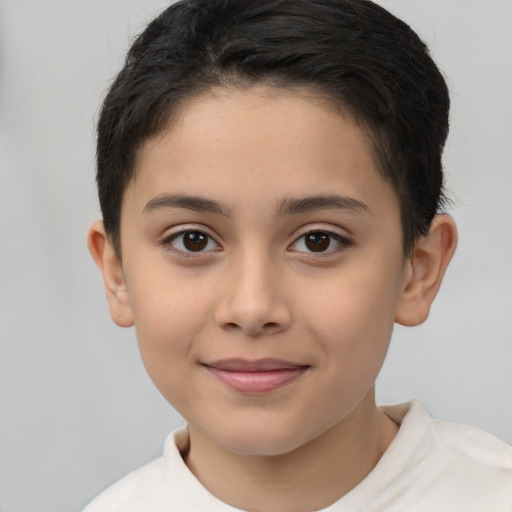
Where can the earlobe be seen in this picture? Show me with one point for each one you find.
(425, 271)
(108, 262)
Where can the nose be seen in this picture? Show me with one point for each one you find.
(252, 299)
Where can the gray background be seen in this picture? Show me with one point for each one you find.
(76, 408)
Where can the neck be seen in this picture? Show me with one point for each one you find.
(310, 477)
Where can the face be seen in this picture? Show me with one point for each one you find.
(263, 263)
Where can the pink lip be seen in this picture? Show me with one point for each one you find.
(260, 376)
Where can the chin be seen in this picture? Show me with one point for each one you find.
(261, 440)
(264, 447)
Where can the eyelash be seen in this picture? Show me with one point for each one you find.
(167, 242)
(343, 243)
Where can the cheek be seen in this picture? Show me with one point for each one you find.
(169, 312)
(352, 319)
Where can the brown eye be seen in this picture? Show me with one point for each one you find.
(195, 240)
(317, 242)
(191, 241)
(320, 242)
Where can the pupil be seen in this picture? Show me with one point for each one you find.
(195, 240)
(318, 242)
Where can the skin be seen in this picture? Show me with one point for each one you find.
(257, 290)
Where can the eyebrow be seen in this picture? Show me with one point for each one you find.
(288, 206)
(292, 206)
(194, 203)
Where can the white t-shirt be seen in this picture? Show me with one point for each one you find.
(431, 466)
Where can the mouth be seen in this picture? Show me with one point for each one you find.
(254, 377)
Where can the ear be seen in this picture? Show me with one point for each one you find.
(425, 270)
(103, 253)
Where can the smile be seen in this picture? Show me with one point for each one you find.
(260, 376)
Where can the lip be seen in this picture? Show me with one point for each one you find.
(258, 376)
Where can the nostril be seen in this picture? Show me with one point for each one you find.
(268, 327)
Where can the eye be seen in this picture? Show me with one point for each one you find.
(191, 241)
(320, 242)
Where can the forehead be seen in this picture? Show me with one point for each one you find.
(262, 144)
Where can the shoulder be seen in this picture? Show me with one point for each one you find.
(130, 492)
(479, 463)
(147, 488)
(451, 463)
(417, 425)
(473, 444)
(164, 485)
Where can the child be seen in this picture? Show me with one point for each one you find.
(270, 179)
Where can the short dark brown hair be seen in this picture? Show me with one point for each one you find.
(353, 52)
